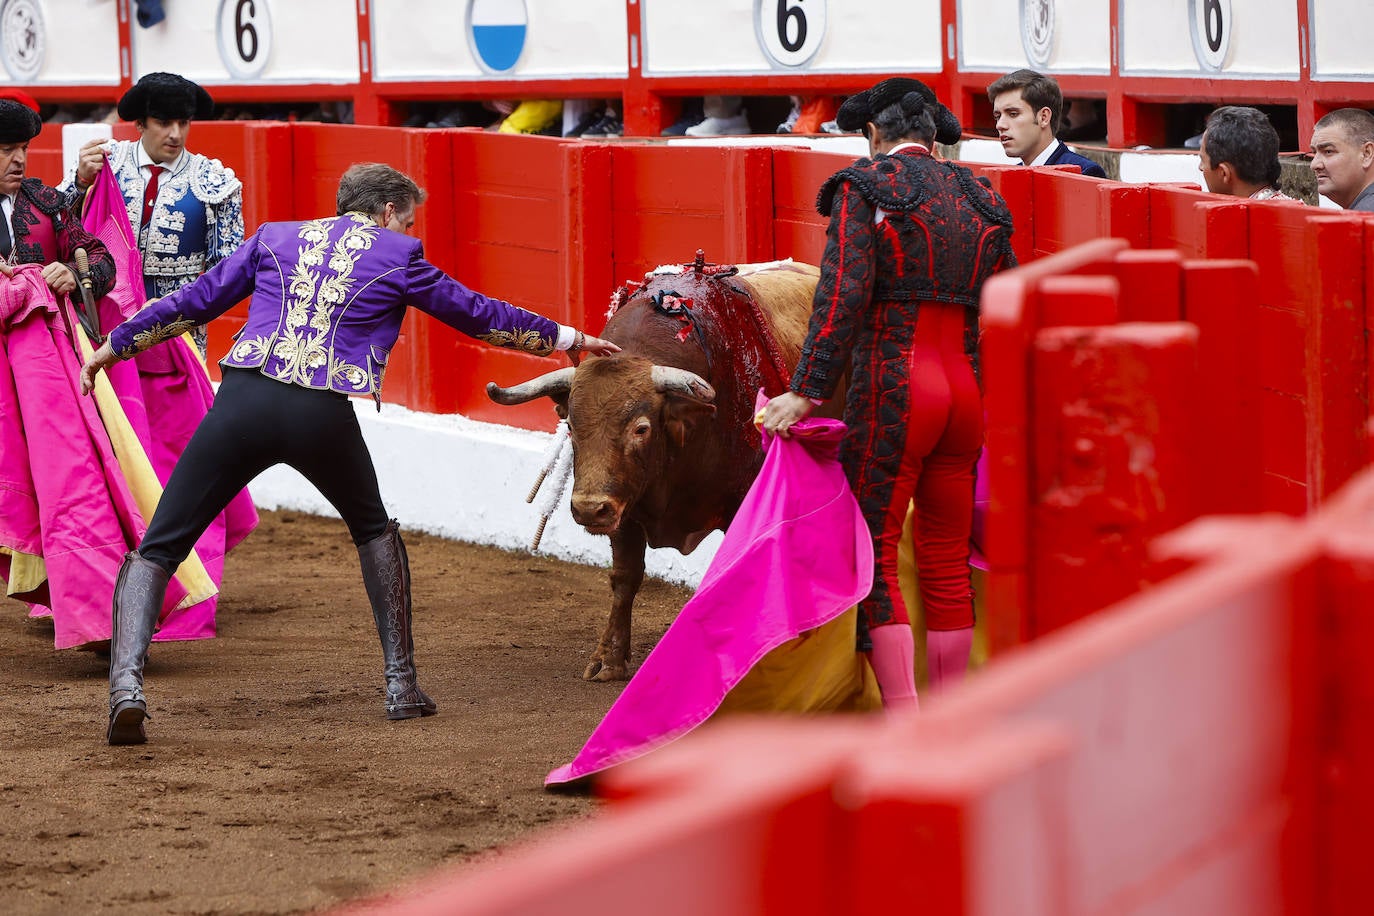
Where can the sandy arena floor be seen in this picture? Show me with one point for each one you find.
(271, 782)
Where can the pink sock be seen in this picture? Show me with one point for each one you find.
(893, 659)
(947, 656)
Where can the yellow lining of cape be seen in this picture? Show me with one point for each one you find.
(138, 470)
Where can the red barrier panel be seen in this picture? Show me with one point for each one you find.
(1311, 353)
(534, 229)
(1016, 186)
(798, 230)
(1112, 415)
(262, 155)
(1197, 223)
(1219, 299)
(666, 202)
(1071, 209)
(1100, 439)
(1199, 749)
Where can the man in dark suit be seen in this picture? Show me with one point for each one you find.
(1027, 107)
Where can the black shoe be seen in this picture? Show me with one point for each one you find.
(693, 114)
(126, 722)
(586, 122)
(386, 575)
(139, 590)
(608, 127)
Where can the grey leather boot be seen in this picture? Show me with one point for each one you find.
(138, 595)
(386, 574)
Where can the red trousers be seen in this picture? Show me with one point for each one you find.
(916, 430)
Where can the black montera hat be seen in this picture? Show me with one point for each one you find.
(18, 123)
(863, 107)
(166, 96)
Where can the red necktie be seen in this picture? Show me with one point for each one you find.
(150, 194)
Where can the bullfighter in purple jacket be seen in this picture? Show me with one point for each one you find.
(328, 296)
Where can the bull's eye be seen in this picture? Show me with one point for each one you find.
(642, 429)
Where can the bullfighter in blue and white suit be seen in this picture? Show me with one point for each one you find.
(186, 208)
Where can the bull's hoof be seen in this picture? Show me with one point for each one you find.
(598, 670)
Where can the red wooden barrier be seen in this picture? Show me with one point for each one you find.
(1199, 224)
(666, 202)
(1070, 209)
(1112, 466)
(1199, 749)
(798, 230)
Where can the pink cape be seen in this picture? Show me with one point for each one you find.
(797, 556)
(62, 495)
(165, 393)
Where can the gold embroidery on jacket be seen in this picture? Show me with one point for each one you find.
(530, 341)
(315, 298)
(156, 335)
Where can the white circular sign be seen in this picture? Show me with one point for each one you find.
(1037, 31)
(24, 39)
(244, 32)
(1210, 23)
(790, 32)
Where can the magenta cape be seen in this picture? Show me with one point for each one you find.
(797, 556)
(165, 393)
(62, 496)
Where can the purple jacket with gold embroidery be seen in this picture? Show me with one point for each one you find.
(328, 296)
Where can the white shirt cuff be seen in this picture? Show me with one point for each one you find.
(566, 336)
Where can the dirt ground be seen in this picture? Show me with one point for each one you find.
(271, 782)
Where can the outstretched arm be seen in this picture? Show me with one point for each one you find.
(491, 320)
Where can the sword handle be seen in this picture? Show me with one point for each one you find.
(83, 268)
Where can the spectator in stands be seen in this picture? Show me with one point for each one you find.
(693, 112)
(725, 117)
(326, 301)
(1027, 107)
(911, 241)
(530, 116)
(595, 119)
(1240, 154)
(808, 113)
(1343, 158)
(186, 209)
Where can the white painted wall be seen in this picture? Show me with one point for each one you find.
(466, 480)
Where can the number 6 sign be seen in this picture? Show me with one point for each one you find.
(244, 33)
(790, 32)
(1210, 23)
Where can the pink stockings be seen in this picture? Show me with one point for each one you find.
(894, 655)
(947, 656)
(893, 659)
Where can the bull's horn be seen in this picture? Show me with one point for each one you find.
(550, 383)
(672, 380)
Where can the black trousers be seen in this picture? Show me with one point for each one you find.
(255, 423)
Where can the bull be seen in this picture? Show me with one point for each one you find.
(664, 445)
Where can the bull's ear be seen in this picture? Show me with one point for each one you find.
(560, 405)
(682, 416)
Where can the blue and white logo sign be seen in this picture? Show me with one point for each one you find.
(496, 32)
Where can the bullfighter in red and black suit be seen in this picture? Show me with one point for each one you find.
(35, 227)
(910, 242)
